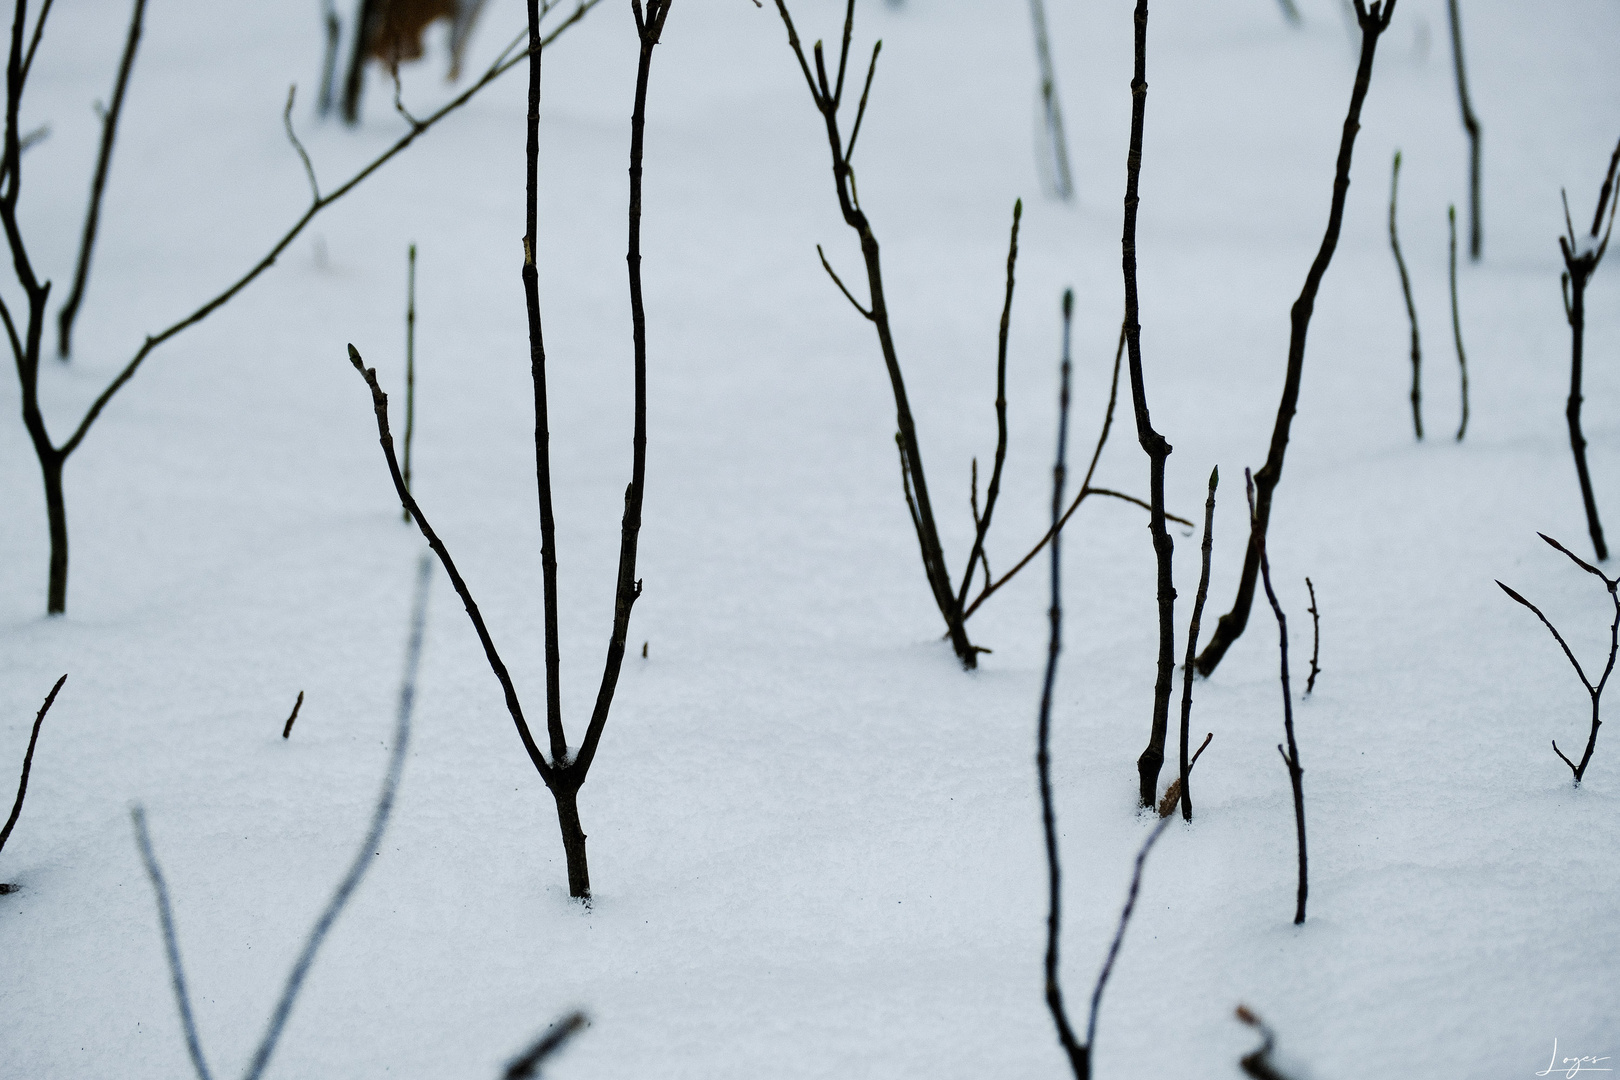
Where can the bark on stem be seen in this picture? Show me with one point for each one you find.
(1153, 444)
(1373, 23)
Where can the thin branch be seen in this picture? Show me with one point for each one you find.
(1456, 324)
(1373, 22)
(410, 366)
(495, 71)
(1064, 186)
(1296, 773)
(1258, 1064)
(1580, 562)
(33, 44)
(1603, 192)
(1189, 666)
(28, 764)
(825, 265)
(1406, 290)
(171, 945)
(329, 20)
(379, 402)
(860, 112)
(399, 102)
(1119, 932)
(1556, 635)
(981, 524)
(369, 846)
(98, 184)
(1172, 794)
(1471, 125)
(292, 137)
(527, 1064)
(1316, 638)
(1079, 1053)
(286, 729)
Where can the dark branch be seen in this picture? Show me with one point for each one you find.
(28, 764)
(286, 729)
(527, 1064)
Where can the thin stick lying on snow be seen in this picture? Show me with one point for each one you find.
(345, 889)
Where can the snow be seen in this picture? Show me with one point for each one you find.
(815, 842)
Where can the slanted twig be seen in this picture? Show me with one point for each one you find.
(1476, 234)
(1456, 324)
(527, 1064)
(98, 184)
(410, 368)
(1187, 668)
(1119, 931)
(1086, 489)
(1057, 157)
(1580, 261)
(1296, 772)
(1373, 22)
(1155, 445)
(381, 811)
(26, 341)
(1258, 1063)
(1172, 794)
(1593, 690)
(1290, 12)
(286, 729)
(1411, 308)
(28, 764)
(1316, 638)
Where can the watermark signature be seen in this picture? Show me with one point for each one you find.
(1571, 1067)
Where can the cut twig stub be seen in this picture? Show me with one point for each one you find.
(299, 704)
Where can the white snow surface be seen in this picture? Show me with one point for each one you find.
(815, 842)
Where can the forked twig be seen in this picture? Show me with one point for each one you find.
(1594, 691)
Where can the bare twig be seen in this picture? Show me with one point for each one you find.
(1155, 445)
(1258, 1063)
(1373, 22)
(1316, 638)
(1189, 666)
(292, 137)
(1079, 1054)
(329, 21)
(527, 1064)
(1119, 932)
(367, 851)
(1172, 794)
(410, 367)
(1296, 772)
(1476, 236)
(1593, 690)
(1580, 262)
(1411, 308)
(1456, 324)
(1062, 181)
(26, 345)
(98, 184)
(286, 729)
(28, 764)
(1290, 12)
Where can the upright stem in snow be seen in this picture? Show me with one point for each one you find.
(1476, 232)
(1411, 308)
(564, 773)
(1373, 23)
(1063, 182)
(1192, 644)
(28, 764)
(98, 184)
(1580, 261)
(1153, 444)
(1456, 325)
(410, 368)
(1296, 772)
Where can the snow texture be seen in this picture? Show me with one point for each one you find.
(815, 841)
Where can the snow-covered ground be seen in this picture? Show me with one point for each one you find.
(815, 841)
